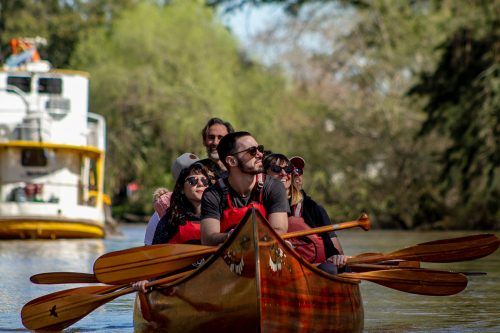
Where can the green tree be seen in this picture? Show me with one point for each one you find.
(362, 140)
(61, 23)
(158, 84)
(463, 105)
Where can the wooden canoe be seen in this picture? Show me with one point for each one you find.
(254, 283)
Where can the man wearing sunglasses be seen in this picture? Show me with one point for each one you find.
(225, 203)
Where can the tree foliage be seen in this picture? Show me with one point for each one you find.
(157, 86)
(374, 159)
(393, 104)
(463, 105)
(61, 23)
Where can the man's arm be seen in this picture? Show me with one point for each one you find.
(279, 222)
(210, 232)
(276, 204)
(210, 218)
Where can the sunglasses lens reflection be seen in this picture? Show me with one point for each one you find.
(193, 181)
(277, 169)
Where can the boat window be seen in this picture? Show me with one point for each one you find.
(49, 85)
(21, 82)
(33, 157)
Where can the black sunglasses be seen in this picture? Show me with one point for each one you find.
(298, 171)
(277, 169)
(193, 181)
(252, 150)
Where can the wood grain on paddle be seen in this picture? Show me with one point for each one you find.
(56, 311)
(63, 277)
(416, 281)
(446, 250)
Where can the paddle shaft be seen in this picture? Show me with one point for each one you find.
(377, 267)
(362, 222)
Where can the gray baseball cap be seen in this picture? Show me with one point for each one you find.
(182, 162)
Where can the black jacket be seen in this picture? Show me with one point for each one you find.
(316, 216)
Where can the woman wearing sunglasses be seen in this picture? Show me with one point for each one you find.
(305, 214)
(181, 223)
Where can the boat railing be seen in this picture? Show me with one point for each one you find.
(34, 127)
(96, 135)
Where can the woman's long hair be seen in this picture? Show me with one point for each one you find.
(180, 206)
(294, 193)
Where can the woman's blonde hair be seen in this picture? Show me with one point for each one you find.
(295, 192)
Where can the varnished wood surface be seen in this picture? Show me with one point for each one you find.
(255, 283)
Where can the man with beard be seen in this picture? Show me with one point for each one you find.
(212, 133)
(214, 130)
(225, 203)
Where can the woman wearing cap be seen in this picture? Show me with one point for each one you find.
(306, 214)
(181, 222)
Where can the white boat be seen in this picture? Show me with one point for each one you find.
(52, 151)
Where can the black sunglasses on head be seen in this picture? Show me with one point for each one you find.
(193, 181)
(277, 169)
(252, 150)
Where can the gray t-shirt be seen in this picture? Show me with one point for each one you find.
(274, 198)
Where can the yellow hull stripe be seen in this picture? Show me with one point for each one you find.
(48, 229)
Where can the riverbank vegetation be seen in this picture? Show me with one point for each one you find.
(393, 104)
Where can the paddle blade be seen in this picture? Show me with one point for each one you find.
(451, 250)
(444, 250)
(63, 277)
(147, 261)
(416, 281)
(59, 310)
(74, 291)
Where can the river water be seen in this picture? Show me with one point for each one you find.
(476, 309)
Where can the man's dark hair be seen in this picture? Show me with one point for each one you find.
(227, 144)
(215, 121)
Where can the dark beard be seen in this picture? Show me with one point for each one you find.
(247, 170)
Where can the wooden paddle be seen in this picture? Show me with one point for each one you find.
(75, 291)
(415, 281)
(445, 250)
(63, 277)
(55, 312)
(60, 310)
(403, 264)
(145, 262)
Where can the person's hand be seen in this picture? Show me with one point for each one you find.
(339, 260)
(228, 234)
(140, 285)
(162, 203)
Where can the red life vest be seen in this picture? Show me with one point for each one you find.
(188, 233)
(311, 247)
(231, 216)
